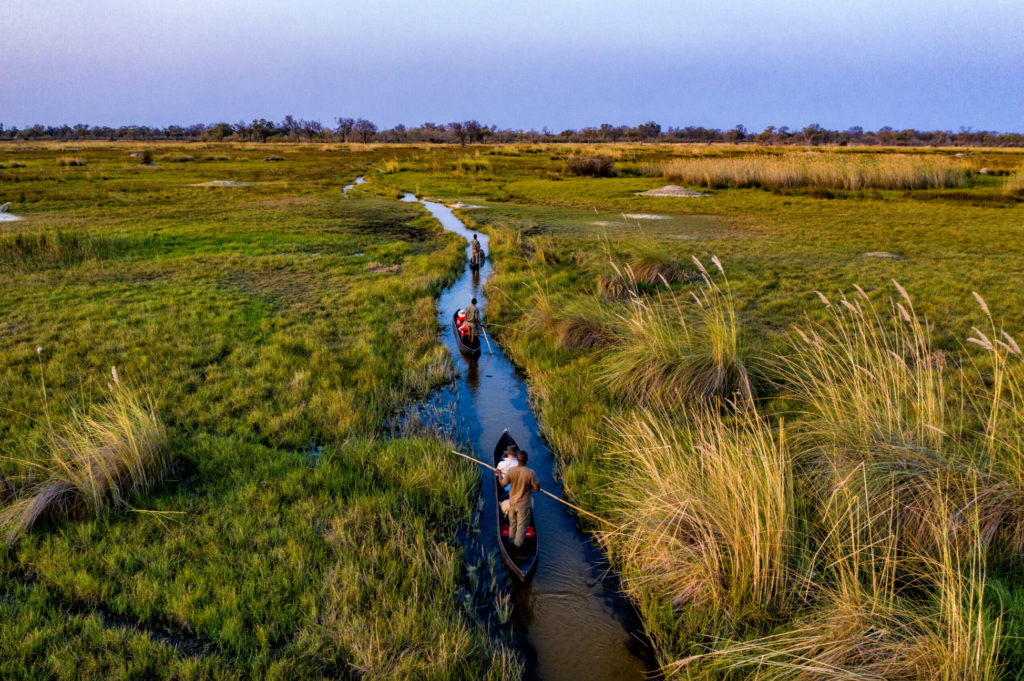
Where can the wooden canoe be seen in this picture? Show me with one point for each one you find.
(522, 561)
(475, 263)
(464, 347)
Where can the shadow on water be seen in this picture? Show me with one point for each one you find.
(571, 618)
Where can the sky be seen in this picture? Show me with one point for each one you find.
(926, 64)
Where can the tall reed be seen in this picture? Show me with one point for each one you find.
(1014, 183)
(706, 511)
(877, 421)
(825, 171)
(659, 357)
(874, 614)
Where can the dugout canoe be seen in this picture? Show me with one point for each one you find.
(522, 561)
(464, 347)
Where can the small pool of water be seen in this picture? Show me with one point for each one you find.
(575, 624)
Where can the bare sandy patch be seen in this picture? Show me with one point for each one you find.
(221, 183)
(883, 255)
(644, 216)
(672, 190)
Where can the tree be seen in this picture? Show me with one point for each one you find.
(648, 131)
(364, 130)
(290, 125)
(474, 131)
(812, 134)
(737, 134)
(219, 131)
(344, 128)
(459, 131)
(312, 129)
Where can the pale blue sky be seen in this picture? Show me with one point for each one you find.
(905, 63)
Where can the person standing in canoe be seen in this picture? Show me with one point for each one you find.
(472, 319)
(478, 251)
(523, 483)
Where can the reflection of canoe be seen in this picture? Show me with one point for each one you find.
(476, 262)
(464, 346)
(522, 561)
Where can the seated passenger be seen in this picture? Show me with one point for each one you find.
(509, 460)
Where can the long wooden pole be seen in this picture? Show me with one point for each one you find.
(561, 501)
(486, 339)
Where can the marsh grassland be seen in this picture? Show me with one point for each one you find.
(797, 397)
(226, 504)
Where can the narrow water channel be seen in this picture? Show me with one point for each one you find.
(359, 180)
(575, 623)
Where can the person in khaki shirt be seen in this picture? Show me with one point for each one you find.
(472, 319)
(478, 251)
(523, 483)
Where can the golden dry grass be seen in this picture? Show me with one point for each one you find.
(825, 171)
(706, 509)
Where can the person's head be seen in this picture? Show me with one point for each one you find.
(511, 450)
(523, 457)
(474, 301)
(474, 235)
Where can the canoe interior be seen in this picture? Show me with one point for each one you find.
(520, 561)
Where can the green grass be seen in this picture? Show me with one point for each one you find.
(268, 318)
(289, 539)
(732, 566)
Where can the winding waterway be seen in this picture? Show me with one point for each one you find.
(574, 621)
(359, 180)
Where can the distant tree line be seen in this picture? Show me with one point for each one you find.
(343, 129)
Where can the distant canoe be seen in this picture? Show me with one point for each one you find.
(522, 561)
(476, 262)
(465, 347)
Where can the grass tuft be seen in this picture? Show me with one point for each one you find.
(658, 358)
(706, 509)
(597, 165)
(97, 461)
(881, 425)
(579, 324)
(178, 158)
(473, 165)
(31, 251)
